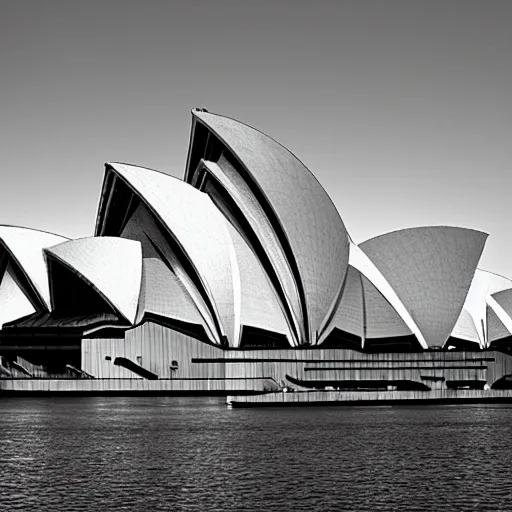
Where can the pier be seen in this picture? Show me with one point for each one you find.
(354, 398)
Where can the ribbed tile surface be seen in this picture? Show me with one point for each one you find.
(495, 328)
(198, 227)
(484, 284)
(504, 299)
(26, 247)
(465, 328)
(382, 320)
(162, 294)
(310, 221)
(14, 303)
(239, 191)
(350, 315)
(383, 307)
(260, 307)
(144, 227)
(112, 265)
(430, 269)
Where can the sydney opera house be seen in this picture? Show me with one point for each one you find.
(242, 277)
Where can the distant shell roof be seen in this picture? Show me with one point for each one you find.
(483, 286)
(26, 248)
(113, 266)
(496, 329)
(504, 299)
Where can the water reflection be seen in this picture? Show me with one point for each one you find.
(95, 454)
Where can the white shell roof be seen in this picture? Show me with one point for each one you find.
(465, 328)
(259, 305)
(144, 227)
(479, 300)
(113, 266)
(387, 314)
(382, 319)
(162, 294)
(501, 303)
(252, 210)
(496, 329)
(309, 219)
(431, 270)
(504, 299)
(369, 307)
(26, 248)
(198, 227)
(14, 304)
(349, 316)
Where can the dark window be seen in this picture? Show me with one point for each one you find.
(253, 337)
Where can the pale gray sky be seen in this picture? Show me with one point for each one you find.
(402, 109)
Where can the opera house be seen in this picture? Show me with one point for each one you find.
(242, 277)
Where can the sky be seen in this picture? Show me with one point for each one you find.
(401, 109)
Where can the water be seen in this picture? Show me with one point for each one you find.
(172, 454)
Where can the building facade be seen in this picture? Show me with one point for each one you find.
(243, 277)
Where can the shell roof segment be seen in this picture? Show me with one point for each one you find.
(14, 303)
(501, 303)
(259, 307)
(350, 315)
(496, 329)
(162, 294)
(26, 247)
(465, 328)
(145, 227)
(113, 266)
(504, 299)
(197, 227)
(238, 190)
(483, 286)
(387, 314)
(308, 218)
(431, 270)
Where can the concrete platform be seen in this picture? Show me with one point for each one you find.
(351, 398)
(127, 387)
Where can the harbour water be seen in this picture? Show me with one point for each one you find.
(161, 454)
